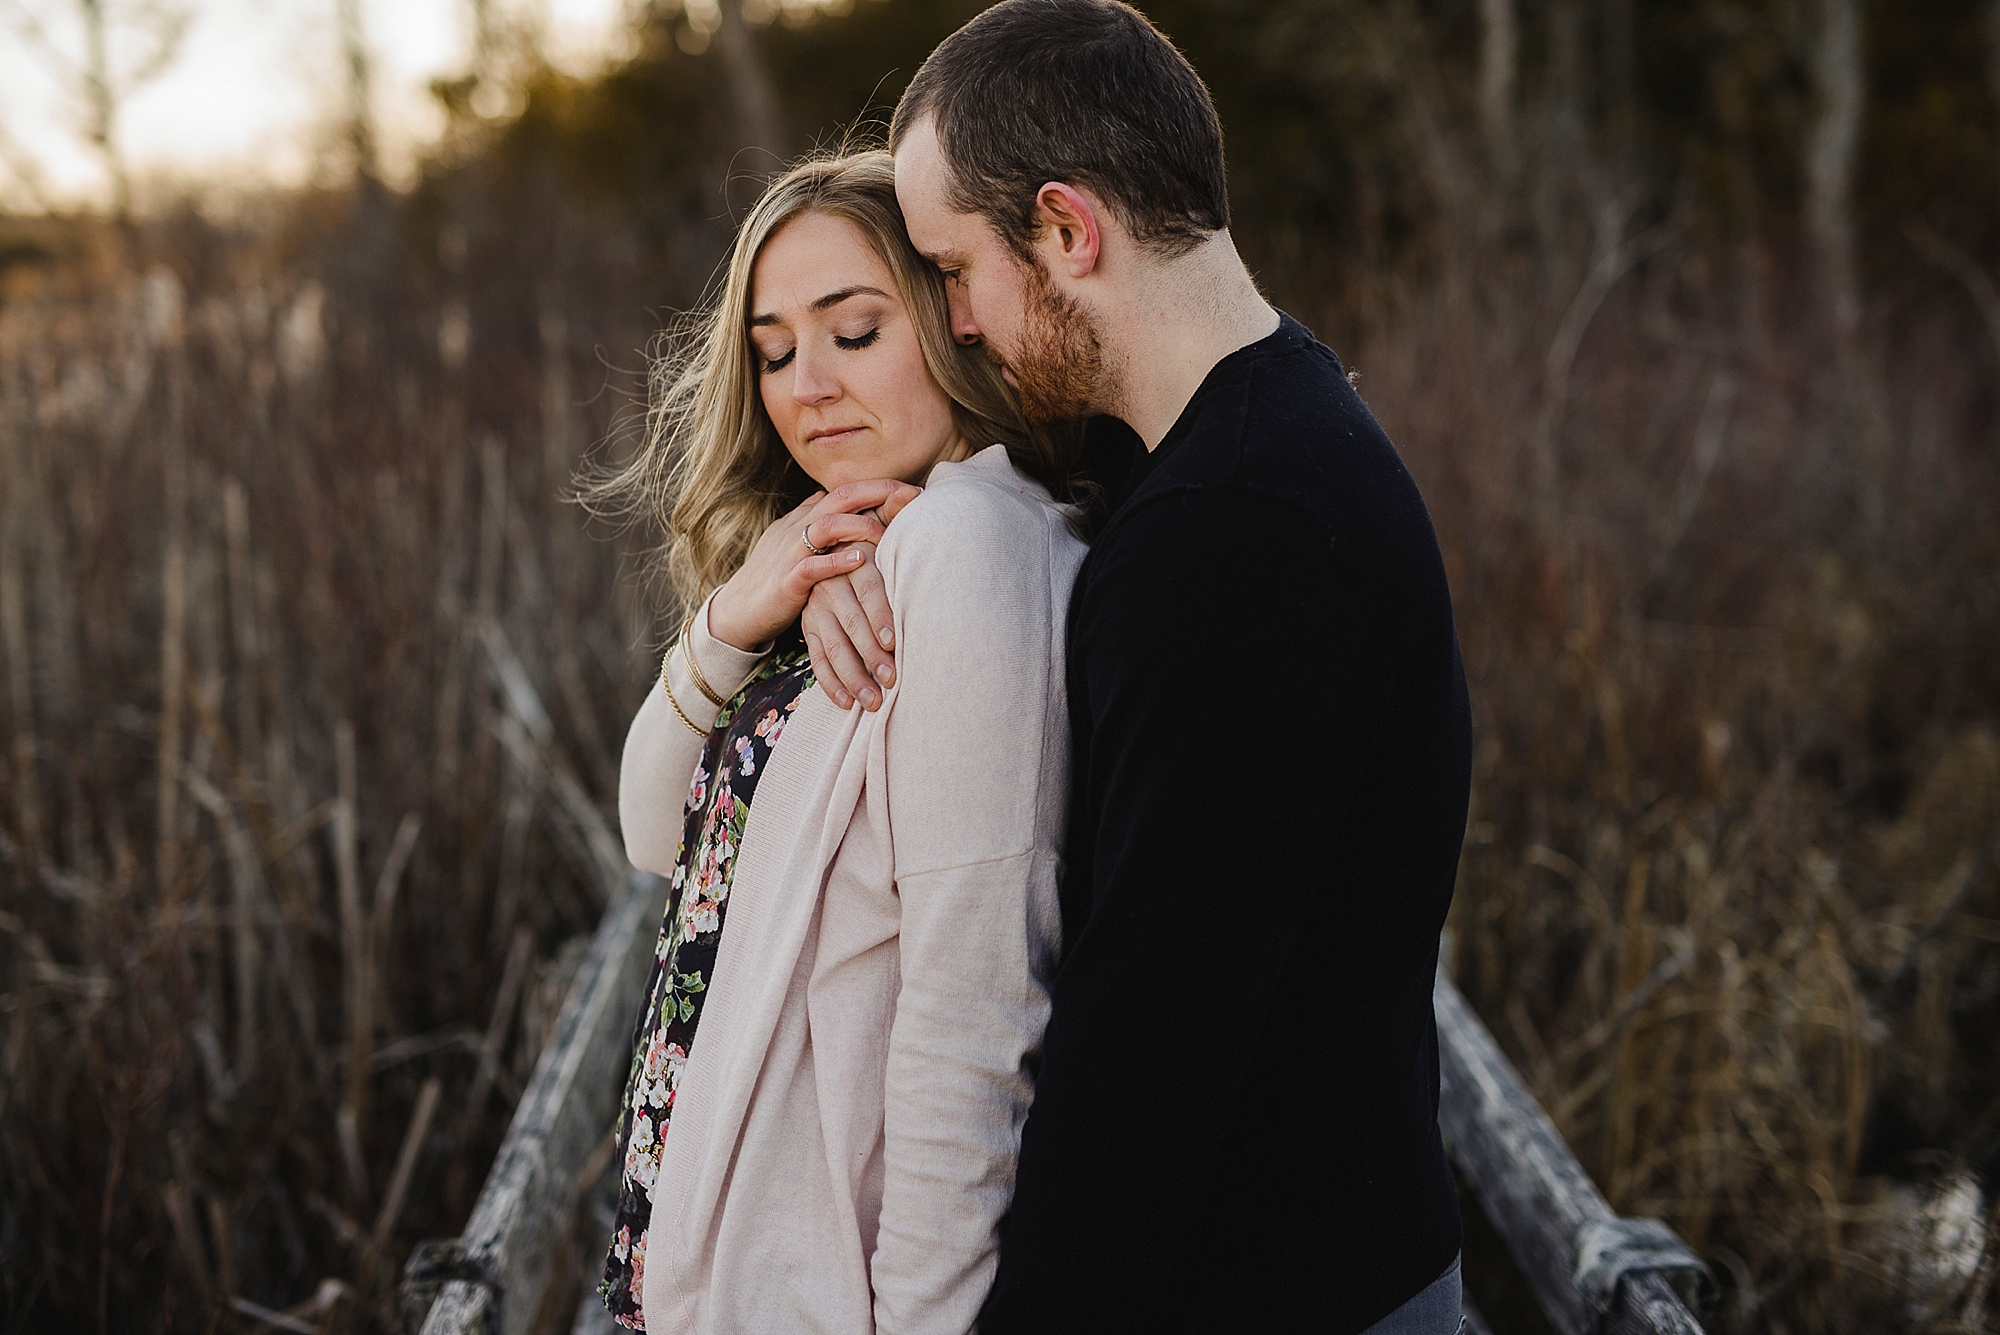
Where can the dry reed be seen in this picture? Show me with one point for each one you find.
(1728, 895)
(232, 507)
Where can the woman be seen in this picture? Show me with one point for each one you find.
(862, 922)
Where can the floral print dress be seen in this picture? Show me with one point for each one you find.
(718, 805)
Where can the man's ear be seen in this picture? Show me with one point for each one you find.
(1070, 235)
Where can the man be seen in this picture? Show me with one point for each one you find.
(1235, 1121)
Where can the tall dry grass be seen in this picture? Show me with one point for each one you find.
(1731, 613)
(290, 885)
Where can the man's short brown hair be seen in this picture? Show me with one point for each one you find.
(1087, 92)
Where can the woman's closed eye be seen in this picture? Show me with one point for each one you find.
(773, 363)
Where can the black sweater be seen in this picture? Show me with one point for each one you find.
(1235, 1121)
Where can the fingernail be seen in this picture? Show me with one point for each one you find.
(840, 698)
(888, 638)
(854, 558)
(885, 674)
(869, 698)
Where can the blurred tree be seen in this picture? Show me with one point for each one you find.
(1562, 135)
(1993, 59)
(758, 122)
(20, 165)
(484, 37)
(1621, 72)
(1355, 127)
(1499, 45)
(360, 118)
(153, 29)
(1838, 93)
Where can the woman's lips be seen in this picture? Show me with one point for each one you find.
(838, 436)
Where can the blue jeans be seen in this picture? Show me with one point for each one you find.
(1438, 1310)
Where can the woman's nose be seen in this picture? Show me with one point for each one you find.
(812, 382)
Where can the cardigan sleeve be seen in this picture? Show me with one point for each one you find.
(976, 767)
(661, 750)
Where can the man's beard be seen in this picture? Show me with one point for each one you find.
(1059, 366)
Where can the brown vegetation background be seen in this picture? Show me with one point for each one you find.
(1682, 314)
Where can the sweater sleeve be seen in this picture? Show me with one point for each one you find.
(976, 770)
(661, 749)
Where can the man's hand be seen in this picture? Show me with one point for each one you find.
(827, 536)
(848, 626)
(851, 635)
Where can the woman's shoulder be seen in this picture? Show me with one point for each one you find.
(979, 523)
(984, 501)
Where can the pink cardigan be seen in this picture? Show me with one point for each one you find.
(844, 1135)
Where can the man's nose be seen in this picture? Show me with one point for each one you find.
(963, 327)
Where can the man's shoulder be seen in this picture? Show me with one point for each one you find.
(1308, 436)
(1291, 431)
(1224, 518)
(1283, 469)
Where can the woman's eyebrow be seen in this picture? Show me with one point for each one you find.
(825, 303)
(832, 299)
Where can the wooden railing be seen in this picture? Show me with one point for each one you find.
(1592, 1272)
(491, 1279)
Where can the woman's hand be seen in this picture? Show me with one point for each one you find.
(769, 591)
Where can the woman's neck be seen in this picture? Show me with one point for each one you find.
(956, 451)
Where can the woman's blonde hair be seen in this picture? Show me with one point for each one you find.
(712, 471)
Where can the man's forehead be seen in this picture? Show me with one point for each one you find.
(920, 171)
(918, 143)
(942, 233)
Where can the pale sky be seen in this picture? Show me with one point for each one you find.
(258, 89)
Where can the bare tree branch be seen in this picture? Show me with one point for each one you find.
(361, 124)
(752, 94)
(1831, 146)
(1499, 55)
(1962, 267)
(20, 164)
(170, 30)
(157, 29)
(34, 33)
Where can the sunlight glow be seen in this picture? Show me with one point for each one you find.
(257, 92)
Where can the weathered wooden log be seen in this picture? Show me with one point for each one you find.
(1554, 1221)
(1538, 1197)
(493, 1276)
(593, 1317)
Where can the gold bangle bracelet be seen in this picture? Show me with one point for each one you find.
(668, 688)
(694, 668)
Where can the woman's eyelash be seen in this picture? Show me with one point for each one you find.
(775, 364)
